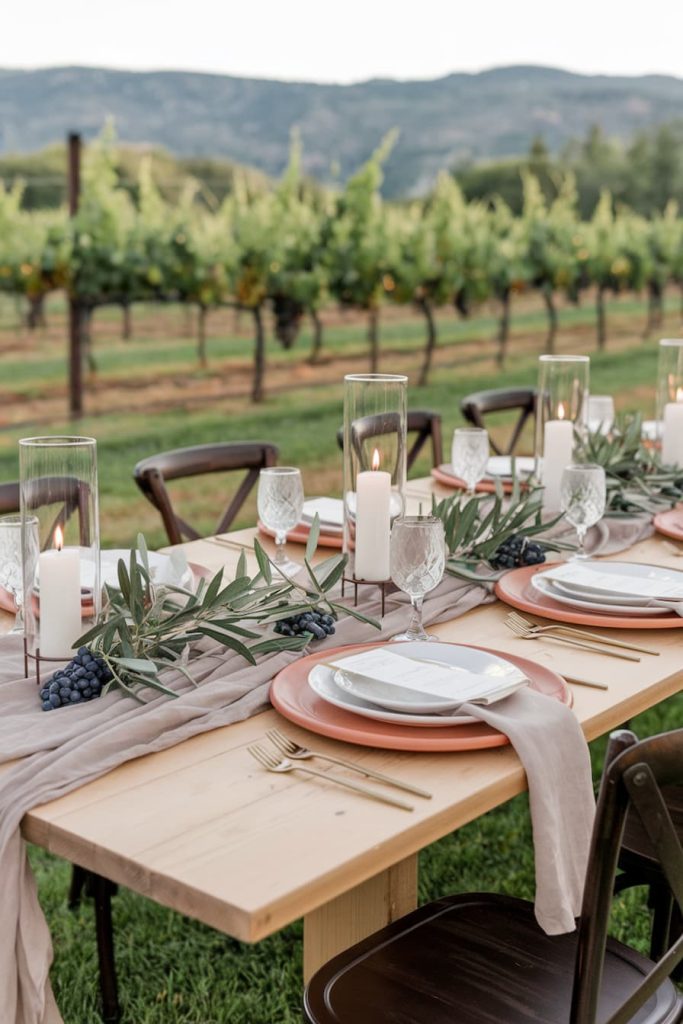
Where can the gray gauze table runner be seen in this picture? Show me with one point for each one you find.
(63, 749)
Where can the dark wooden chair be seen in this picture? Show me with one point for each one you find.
(421, 425)
(639, 866)
(476, 406)
(65, 491)
(152, 474)
(479, 958)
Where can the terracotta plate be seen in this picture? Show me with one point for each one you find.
(299, 535)
(445, 475)
(670, 523)
(515, 589)
(292, 697)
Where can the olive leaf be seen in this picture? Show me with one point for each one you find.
(475, 527)
(637, 479)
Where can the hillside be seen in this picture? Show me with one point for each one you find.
(463, 116)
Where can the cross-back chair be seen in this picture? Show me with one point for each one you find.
(481, 957)
(68, 494)
(153, 473)
(422, 426)
(477, 406)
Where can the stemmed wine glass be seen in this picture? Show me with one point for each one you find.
(280, 504)
(470, 454)
(418, 558)
(582, 499)
(11, 564)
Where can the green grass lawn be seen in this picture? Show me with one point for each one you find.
(173, 970)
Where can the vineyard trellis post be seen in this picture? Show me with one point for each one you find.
(75, 313)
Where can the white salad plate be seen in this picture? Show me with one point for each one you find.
(322, 680)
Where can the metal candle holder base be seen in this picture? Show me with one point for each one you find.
(37, 657)
(382, 584)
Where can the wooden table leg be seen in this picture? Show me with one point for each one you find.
(357, 913)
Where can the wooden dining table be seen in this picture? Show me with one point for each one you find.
(203, 829)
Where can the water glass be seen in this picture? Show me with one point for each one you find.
(280, 504)
(11, 564)
(418, 558)
(600, 413)
(470, 455)
(582, 496)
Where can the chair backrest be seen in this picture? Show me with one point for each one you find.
(152, 474)
(65, 491)
(424, 425)
(632, 781)
(476, 406)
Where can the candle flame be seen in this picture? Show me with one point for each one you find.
(375, 459)
(560, 411)
(679, 394)
(59, 538)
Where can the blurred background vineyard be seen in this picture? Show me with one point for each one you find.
(209, 314)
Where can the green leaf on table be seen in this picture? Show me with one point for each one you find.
(263, 562)
(313, 535)
(136, 665)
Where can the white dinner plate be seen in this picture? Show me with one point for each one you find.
(592, 604)
(321, 681)
(623, 600)
(501, 465)
(619, 579)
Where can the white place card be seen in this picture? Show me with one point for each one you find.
(658, 584)
(429, 678)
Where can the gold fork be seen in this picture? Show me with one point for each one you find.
(296, 752)
(274, 763)
(582, 634)
(528, 632)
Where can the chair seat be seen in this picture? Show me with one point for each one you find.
(472, 959)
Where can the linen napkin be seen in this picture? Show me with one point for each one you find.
(551, 746)
(63, 749)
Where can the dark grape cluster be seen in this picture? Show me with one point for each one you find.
(317, 623)
(517, 551)
(82, 679)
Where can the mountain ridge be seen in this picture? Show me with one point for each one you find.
(456, 118)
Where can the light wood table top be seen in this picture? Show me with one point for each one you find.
(202, 829)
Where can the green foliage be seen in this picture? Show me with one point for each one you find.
(146, 628)
(475, 527)
(291, 248)
(637, 481)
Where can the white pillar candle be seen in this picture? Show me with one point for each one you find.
(373, 523)
(558, 445)
(672, 434)
(59, 581)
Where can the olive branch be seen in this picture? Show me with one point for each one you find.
(147, 627)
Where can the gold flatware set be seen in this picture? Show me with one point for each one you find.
(288, 754)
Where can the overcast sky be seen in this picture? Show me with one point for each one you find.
(346, 40)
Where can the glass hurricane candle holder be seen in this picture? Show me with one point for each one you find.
(375, 413)
(561, 408)
(670, 400)
(61, 573)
